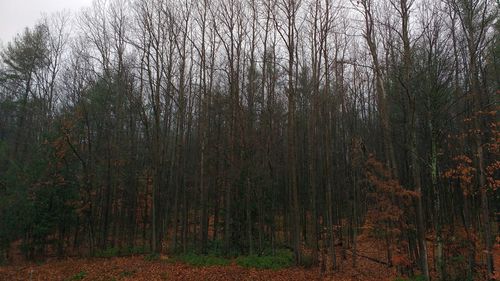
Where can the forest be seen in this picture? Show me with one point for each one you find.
(251, 127)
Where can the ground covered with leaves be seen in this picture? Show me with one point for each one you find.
(164, 268)
(193, 267)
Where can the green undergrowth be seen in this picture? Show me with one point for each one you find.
(79, 276)
(117, 252)
(281, 259)
(202, 260)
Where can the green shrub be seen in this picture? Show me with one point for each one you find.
(202, 260)
(137, 250)
(107, 253)
(281, 259)
(216, 248)
(115, 252)
(152, 257)
(79, 276)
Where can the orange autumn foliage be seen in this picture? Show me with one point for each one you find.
(463, 172)
(390, 204)
(389, 200)
(493, 147)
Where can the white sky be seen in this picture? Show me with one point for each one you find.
(15, 15)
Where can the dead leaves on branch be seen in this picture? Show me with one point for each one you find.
(463, 172)
(389, 198)
(463, 169)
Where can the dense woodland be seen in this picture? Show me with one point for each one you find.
(252, 125)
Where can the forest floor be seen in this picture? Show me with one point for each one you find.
(137, 268)
(165, 268)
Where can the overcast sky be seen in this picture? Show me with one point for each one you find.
(15, 15)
